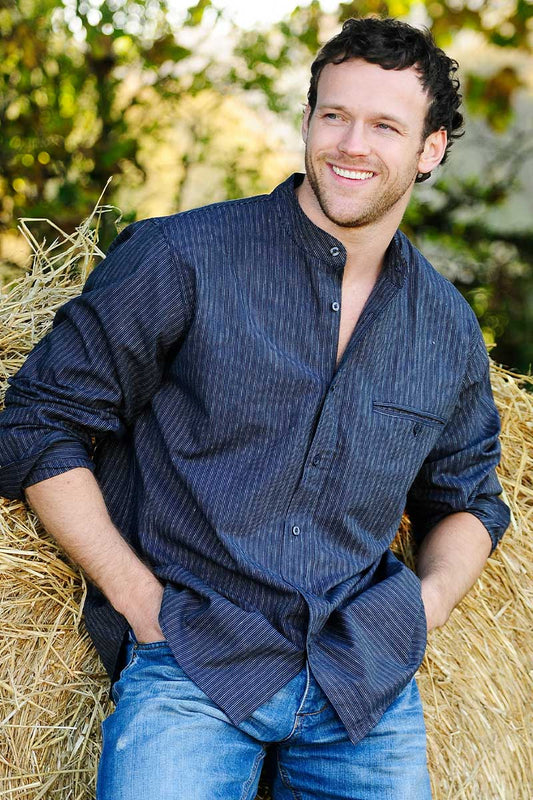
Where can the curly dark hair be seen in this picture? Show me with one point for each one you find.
(396, 45)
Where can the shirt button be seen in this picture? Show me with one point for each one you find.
(335, 306)
(334, 251)
(316, 460)
(295, 530)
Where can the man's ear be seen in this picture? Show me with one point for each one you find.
(305, 122)
(433, 151)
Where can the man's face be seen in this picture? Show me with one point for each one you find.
(364, 143)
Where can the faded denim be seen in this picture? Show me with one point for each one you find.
(168, 741)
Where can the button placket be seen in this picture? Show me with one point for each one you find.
(299, 523)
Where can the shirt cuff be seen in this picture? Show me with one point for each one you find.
(57, 459)
(495, 515)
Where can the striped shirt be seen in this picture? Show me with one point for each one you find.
(196, 376)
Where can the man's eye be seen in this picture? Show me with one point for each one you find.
(384, 127)
(332, 115)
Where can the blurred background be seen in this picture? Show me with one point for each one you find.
(186, 103)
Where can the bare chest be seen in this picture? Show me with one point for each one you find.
(353, 300)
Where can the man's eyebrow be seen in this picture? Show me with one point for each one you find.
(377, 115)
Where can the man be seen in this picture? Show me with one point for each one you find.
(224, 431)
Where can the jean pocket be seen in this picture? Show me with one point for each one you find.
(147, 646)
(127, 663)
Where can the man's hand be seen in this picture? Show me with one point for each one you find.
(143, 618)
(434, 604)
(450, 560)
(72, 510)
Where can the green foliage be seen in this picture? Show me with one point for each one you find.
(196, 13)
(492, 269)
(493, 97)
(262, 57)
(64, 98)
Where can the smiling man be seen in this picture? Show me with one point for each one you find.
(365, 145)
(224, 430)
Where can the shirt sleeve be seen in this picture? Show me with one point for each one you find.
(459, 474)
(100, 364)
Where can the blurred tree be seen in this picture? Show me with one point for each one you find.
(69, 74)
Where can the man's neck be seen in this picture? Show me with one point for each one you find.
(365, 245)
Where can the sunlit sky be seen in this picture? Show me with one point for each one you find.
(249, 13)
(252, 14)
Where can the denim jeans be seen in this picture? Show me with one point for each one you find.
(167, 741)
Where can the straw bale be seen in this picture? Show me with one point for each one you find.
(476, 676)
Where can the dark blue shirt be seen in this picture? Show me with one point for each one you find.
(196, 375)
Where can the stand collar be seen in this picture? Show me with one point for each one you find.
(327, 249)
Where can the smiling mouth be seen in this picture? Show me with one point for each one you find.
(352, 174)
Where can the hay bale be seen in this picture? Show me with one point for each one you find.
(475, 679)
(53, 691)
(477, 675)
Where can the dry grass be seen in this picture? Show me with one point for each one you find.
(475, 680)
(477, 676)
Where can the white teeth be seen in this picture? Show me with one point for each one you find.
(350, 173)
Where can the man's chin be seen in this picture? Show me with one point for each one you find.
(347, 219)
(350, 222)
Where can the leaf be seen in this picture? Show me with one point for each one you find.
(195, 14)
(165, 49)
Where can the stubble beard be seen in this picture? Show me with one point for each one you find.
(373, 210)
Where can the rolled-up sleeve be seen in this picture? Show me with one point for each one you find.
(459, 474)
(100, 364)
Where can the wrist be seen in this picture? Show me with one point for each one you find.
(436, 605)
(142, 610)
(135, 590)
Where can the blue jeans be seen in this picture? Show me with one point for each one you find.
(167, 741)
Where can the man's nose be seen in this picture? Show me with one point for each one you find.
(355, 141)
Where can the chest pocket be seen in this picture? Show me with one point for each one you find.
(415, 416)
(405, 436)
